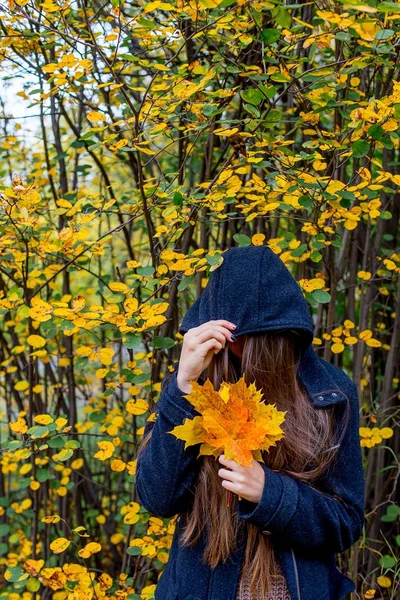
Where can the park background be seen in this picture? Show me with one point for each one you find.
(138, 141)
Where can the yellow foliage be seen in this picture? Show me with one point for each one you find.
(106, 450)
(59, 545)
(137, 407)
(89, 549)
(384, 581)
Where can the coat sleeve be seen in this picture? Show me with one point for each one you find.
(303, 516)
(165, 471)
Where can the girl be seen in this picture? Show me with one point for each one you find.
(302, 504)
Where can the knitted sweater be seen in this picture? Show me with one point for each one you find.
(278, 589)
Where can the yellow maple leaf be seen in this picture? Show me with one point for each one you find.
(234, 421)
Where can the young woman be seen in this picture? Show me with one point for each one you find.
(300, 506)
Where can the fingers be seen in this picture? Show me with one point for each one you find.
(216, 322)
(199, 345)
(219, 333)
(228, 462)
(214, 345)
(233, 476)
(225, 327)
(209, 336)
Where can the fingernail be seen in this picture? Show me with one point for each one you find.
(233, 325)
(233, 337)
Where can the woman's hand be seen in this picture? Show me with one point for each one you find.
(199, 346)
(246, 482)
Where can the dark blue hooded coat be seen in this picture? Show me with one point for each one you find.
(308, 524)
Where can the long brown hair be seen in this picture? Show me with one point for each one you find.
(270, 360)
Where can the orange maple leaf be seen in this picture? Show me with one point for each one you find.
(234, 421)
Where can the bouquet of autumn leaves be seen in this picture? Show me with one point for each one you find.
(234, 421)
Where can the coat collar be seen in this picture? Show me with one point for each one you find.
(319, 383)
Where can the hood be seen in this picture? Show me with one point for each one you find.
(253, 289)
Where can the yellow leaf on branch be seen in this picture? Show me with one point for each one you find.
(89, 549)
(59, 545)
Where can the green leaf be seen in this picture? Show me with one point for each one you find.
(134, 550)
(387, 562)
(210, 110)
(38, 431)
(42, 475)
(56, 442)
(280, 77)
(316, 256)
(306, 201)
(12, 444)
(24, 482)
(130, 57)
(342, 36)
(376, 132)
(163, 342)
(115, 298)
(252, 110)
(388, 7)
(384, 34)
(66, 454)
(67, 325)
(252, 96)
(282, 16)
(87, 136)
(132, 341)
(387, 142)
(274, 116)
(269, 92)
(72, 444)
(177, 199)
(269, 36)
(396, 114)
(81, 362)
(14, 573)
(242, 240)
(392, 513)
(360, 148)
(300, 250)
(213, 260)
(145, 271)
(32, 584)
(185, 282)
(345, 203)
(320, 296)
(345, 194)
